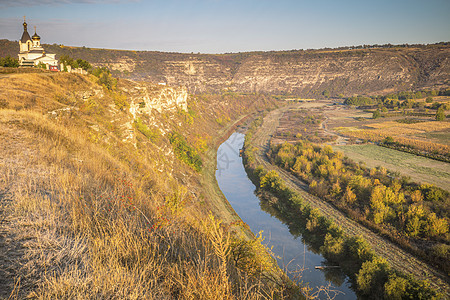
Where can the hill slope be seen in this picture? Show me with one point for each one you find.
(100, 193)
(305, 73)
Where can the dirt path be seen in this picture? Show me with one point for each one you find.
(340, 140)
(396, 257)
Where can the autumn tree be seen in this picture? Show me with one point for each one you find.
(372, 275)
(414, 220)
(349, 196)
(416, 196)
(377, 204)
(435, 226)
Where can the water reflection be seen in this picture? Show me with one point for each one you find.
(296, 225)
(281, 227)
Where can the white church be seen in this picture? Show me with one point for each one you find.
(31, 52)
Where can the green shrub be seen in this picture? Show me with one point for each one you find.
(372, 276)
(152, 135)
(185, 152)
(8, 61)
(120, 101)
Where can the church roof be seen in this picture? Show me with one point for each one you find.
(25, 37)
(36, 51)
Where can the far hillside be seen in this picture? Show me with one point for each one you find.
(309, 73)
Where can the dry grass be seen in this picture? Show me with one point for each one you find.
(420, 169)
(87, 216)
(82, 241)
(402, 128)
(407, 134)
(40, 91)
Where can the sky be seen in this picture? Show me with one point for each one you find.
(223, 26)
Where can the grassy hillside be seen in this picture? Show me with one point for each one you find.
(97, 202)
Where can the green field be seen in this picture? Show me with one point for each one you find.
(420, 169)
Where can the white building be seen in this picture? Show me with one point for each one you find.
(31, 52)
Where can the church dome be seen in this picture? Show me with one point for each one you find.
(35, 35)
(25, 35)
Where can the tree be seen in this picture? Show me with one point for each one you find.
(429, 99)
(440, 114)
(66, 60)
(108, 81)
(376, 114)
(435, 226)
(372, 275)
(377, 204)
(359, 249)
(333, 246)
(85, 65)
(336, 189)
(414, 223)
(271, 181)
(395, 288)
(416, 196)
(9, 62)
(349, 196)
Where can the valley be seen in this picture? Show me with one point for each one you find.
(399, 259)
(116, 170)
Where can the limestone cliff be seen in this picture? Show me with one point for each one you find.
(312, 73)
(346, 71)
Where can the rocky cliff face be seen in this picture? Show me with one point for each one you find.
(310, 74)
(147, 97)
(302, 73)
(146, 102)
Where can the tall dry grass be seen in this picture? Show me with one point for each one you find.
(86, 227)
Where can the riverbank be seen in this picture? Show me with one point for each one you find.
(222, 208)
(297, 258)
(399, 259)
(219, 204)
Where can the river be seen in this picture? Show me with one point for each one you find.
(293, 253)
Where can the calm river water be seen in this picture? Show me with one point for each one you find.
(239, 191)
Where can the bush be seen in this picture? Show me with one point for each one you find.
(152, 135)
(440, 114)
(184, 152)
(105, 78)
(120, 101)
(376, 114)
(9, 62)
(372, 276)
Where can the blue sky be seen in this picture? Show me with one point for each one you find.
(219, 26)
